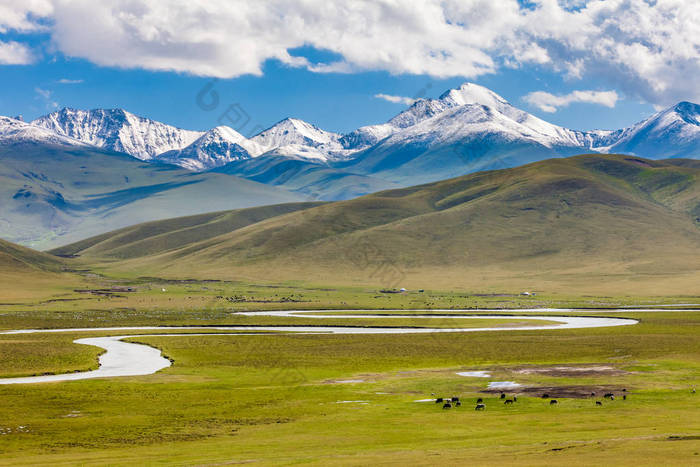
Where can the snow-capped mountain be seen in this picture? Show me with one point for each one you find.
(297, 138)
(16, 131)
(214, 148)
(468, 128)
(465, 129)
(118, 130)
(673, 132)
(294, 131)
(468, 94)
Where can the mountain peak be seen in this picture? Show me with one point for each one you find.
(13, 130)
(470, 93)
(117, 130)
(688, 111)
(216, 147)
(292, 131)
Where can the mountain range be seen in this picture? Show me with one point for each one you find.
(466, 129)
(88, 156)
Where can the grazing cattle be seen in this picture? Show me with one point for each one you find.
(455, 399)
(447, 405)
(545, 396)
(612, 398)
(553, 401)
(438, 400)
(515, 399)
(503, 396)
(479, 400)
(624, 397)
(624, 389)
(598, 403)
(593, 394)
(480, 407)
(608, 395)
(458, 404)
(508, 401)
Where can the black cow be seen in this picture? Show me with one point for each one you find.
(458, 404)
(508, 401)
(545, 396)
(515, 399)
(447, 405)
(479, 400)
(480, 407)
(608, 395)
(455, 398)
(598, 403)
(439, 400)
(553, 401)
(624, 397)
(503, 396)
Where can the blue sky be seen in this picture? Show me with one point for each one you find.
(334, 88)
(333, 101)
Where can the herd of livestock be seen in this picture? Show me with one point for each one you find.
(449, 402)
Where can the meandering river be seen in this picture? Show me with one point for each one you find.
(130, 359)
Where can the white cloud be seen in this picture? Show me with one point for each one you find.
(551, 103)
(396, 99)
(648, 49)
(14, 53)
(23, 15)
(69, 81)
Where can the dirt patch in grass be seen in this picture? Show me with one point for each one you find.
(570, 371)
(574, 392)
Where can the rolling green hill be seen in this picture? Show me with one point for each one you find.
(28, 274)
(15, 258)
(54, 195)
(592, 222)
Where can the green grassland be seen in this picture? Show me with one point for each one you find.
(278, 399)
(281, 400)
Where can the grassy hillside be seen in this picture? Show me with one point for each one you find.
(159, 236)
(53, 195)
(587, 223)
(15, 258)
(28, 275)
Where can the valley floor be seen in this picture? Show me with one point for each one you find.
(350, 399)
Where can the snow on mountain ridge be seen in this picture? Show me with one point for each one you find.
(466, 113)
(672, 132)
(118, 130)
(16, 131)
(294, 131)
(215, 148)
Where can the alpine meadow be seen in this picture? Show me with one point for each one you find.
(349, 233)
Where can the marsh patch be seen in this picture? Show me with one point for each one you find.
(570, 371)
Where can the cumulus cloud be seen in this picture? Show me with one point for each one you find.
(23, 15)
(551, 103)
(14, 53)
(648, 49)
(396, 99)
